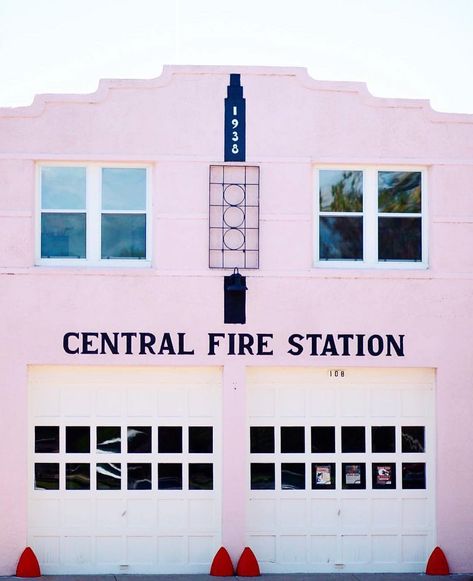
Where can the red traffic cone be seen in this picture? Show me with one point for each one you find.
(28, 565)
(437, 563)
(247, 564)
(222, 565)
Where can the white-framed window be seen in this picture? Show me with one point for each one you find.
(370, 217)
(93, 214)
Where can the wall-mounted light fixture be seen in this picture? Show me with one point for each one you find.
(234, 288)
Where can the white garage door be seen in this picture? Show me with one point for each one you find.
(125, 469)
(341, 469)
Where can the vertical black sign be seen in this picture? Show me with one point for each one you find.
(235, 121)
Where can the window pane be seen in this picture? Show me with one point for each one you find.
(341, 238)
(262, 476)
(170, 476)
(109, 439)
(399, 191)
(123, 236)
(384, 476)
(46, 476)
(292, 439)
(383, 439)
(400, 239)
(323, 439)
(413, 475)
(139, 439)
(139, 476)
(353, 476)
(170, 439)
(201, 477)
(413, 439)
(262, 440)
(62, 235)
(46, 439)
(293, 476)
(201, 440)
(341, 191)
(109, 476)
(123, 189)
(353, 439)
(77, 476)
(63, 188)
(78, 439)
(323, 476)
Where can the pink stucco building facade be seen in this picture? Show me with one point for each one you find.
(153, 408)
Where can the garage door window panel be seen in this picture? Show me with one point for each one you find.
(139, 439)
(262, 439)
(322, 439)
(201, 476)
(46, 439)
(169, 476)
(263, 476)
(139, 476)
(292, 439)
(170, 439)
(77, 476)
(109, 439)
(109, 476)
(46, 476)
(77, 439)
(200, 439)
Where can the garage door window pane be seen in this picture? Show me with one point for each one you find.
(353, 439)
(384, 476)
(201, 477)
(413, 475)
(323, 476)
(262, 440)
(109, 439)
(323, 439)
(413, 439)
(383, 439)
(78, 439)
(201, 440)
(170, 439)
(139, 439)
(78, 476)
(170, 476)
(353, 476)
(46, 476)
(139, 476)
(109, 476)
(293, 476)
(262, 476)
(292, 439)
(46, 439)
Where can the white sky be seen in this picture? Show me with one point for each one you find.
(400, 48)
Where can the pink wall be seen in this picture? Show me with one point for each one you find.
(293, 123)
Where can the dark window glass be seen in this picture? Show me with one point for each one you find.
(46, 439)
(262, 476)
(109, 476)
(109, 439)
(62, 235)
(413, 475)
(413, 439)
(400, 239)
(170, 476)
(46, 476)
(170, 439)
(292, 439)
(323, 439)
(399, 191)
(201, 439)
(293, 476)
(383, 475)
(139, 439)
(353, 439)
(262, 440)
(77, 476)
(139, 476)
(383, 439)
(123, 236)
(341, 191)
(201, 477)
(323, 476)
(341, 238)
(78, 439)
(353, 476)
